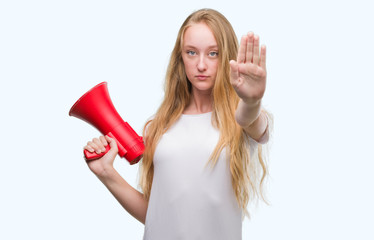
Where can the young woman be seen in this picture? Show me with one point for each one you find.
(199, 169)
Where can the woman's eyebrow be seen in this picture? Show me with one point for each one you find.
(192, 46)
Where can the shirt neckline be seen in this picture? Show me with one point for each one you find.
(196, 115)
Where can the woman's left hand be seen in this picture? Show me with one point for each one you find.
(248, 73)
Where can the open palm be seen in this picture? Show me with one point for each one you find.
(248, 72)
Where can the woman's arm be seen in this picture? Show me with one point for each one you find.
(131, 199)
(254, 120)
(248, 78)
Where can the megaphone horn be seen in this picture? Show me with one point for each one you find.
(96, 108)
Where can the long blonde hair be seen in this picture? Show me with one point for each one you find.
(246, 182)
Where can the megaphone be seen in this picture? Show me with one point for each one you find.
(96, 108)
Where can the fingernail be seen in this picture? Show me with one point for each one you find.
(98, 151)
(103, 150)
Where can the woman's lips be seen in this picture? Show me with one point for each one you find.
(201, 77)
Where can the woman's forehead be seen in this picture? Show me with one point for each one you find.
(199, 35)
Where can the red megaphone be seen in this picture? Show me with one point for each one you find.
(96, 108)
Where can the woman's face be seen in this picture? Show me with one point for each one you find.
(200, 57)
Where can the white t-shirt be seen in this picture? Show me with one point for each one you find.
(190, 199)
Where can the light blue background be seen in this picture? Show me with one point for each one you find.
(320, 84)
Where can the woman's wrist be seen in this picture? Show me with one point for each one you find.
(247, 113)
(106, 173)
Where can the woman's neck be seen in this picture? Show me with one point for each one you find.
(200, 102)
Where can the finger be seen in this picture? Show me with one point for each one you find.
(89, 148)
(242, 50)
(103, 140)
(256, 44)
(249, 47)
(263, 57)
(99, 144)
(234, 72)
(92, 147)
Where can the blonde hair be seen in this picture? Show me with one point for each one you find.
(246, 182)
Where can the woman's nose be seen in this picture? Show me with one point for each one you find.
(201, 65)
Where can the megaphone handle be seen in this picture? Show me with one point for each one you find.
(93, 155)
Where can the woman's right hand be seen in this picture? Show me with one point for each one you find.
(103, 165)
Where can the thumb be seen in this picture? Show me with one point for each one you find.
(112, 144)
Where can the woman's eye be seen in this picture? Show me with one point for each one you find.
(192, 53)
(213, 54)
